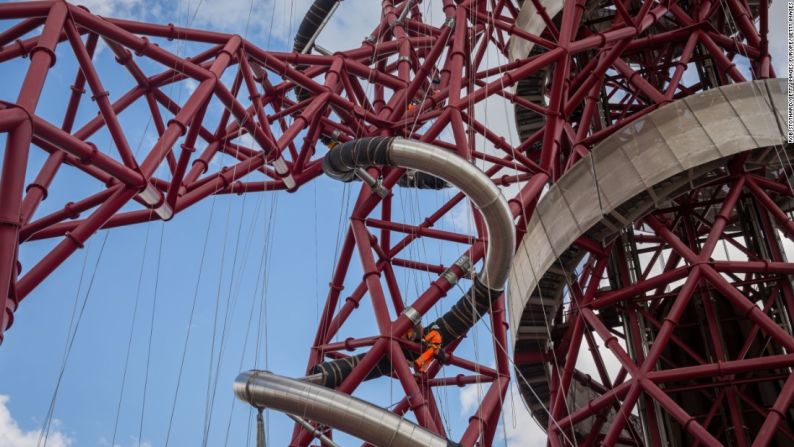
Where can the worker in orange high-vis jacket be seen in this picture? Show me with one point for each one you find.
(432, 340)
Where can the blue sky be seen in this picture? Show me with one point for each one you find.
(261, 284)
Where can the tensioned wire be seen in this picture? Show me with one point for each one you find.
(138, 288)
(151, 330)
(733, 28)
(45, 431)
(236, 295)
(233, 296)
(230, 306)
(180, 47)
(209, 401)
(261, 282)
(565, 397)
(210, 398)
(412, 198)
(68, 332)
(192, 312)
(132, 331)
(73, 326)
(69, 345)
(262, 319)
(516, 171)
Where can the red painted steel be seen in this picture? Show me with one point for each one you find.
(605, 70)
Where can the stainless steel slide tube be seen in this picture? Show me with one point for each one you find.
(325, 406)
(477, 187)
(342, 161)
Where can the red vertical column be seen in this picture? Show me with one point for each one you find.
(12, 176)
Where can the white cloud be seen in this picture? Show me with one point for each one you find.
(470, 397)
(190, 85)
(266, 23)
(12, 435)
(257, 16)
(520, 429)
(271, 21)
(113, 8)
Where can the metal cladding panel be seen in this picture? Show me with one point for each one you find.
(718, 118)
(615, 172)
(685, 134)
(522, 278)
(528, 264)
(776, 91)
(649, 153)
(581, 194)
(753, 107)
(554, 214)
(682, 132)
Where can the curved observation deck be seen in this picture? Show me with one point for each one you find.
(637, 169)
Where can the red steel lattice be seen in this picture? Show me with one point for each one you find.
(604, 65)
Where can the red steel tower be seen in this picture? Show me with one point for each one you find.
(648, 197)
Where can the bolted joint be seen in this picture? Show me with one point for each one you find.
(463, 263)
(143, 48)
(172, 34)
(178, 122)
(124, 57)
(79, 91)
(100, 95)
(40, 48)
(413, 315)
(88, 157)
(38, 186)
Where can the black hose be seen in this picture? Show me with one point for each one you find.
(335, 371)
(314, 17)
(341, 163)
(454, 324)
(469, 309)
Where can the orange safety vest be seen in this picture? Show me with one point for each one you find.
(433, 338)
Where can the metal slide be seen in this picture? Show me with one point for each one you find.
(340, 411)
(334, 409)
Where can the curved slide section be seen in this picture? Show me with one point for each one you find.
(631, 173)
(333, 409)
(341, 164)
